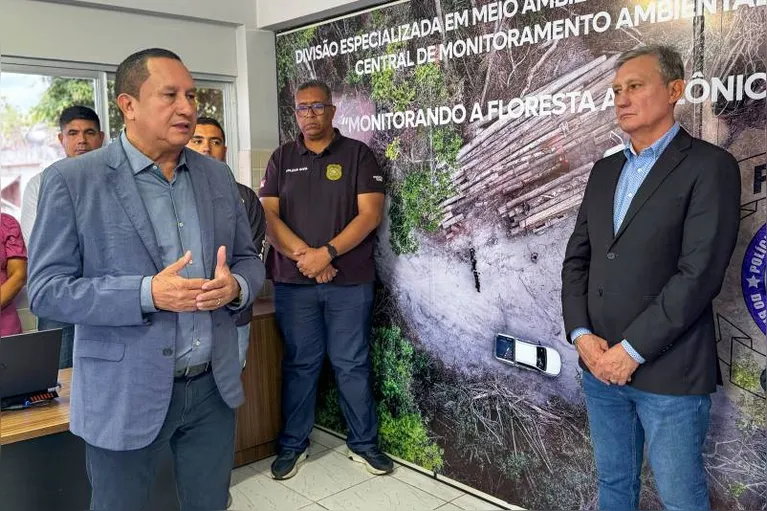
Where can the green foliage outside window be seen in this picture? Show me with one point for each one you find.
(62, 93)
(65, 92)
(13, 120)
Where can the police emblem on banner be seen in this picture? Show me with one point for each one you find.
(752, 279)
(334, 171)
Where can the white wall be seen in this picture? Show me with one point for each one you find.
(284, 14)
(85, 34)
(256, 103)
(236, 12)
(257, 85)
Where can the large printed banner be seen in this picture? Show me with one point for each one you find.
(487, 118)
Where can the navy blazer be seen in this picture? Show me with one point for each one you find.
(653, 282)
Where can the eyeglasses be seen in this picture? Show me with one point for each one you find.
(316, 108)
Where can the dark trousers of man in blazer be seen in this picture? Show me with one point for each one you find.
(652, 283)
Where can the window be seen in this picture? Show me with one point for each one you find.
(210, 103)
(216, 99)
(32, 94)
(540, 360)
(30, 105)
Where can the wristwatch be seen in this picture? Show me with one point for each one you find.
(331, 250)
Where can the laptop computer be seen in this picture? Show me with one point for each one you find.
(29, 365)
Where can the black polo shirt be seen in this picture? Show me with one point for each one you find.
(318, 199)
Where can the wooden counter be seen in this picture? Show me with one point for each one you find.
(18, 425)
(258, 420)
(42, 466)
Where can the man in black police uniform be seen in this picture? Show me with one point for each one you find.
(323, 196)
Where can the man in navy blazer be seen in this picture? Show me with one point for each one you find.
(145, 246)
(648, 254)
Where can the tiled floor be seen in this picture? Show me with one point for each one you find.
(330, 481)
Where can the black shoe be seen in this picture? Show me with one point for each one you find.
(286, 464)
(375, 461)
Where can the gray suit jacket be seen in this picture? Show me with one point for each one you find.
(93, 242)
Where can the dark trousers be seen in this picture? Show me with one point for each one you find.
(200, 430)
(67, 339)
(315, 320)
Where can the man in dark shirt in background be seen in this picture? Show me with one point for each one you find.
(209, 139)
(323, 196)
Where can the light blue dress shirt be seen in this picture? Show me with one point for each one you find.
(172, 209)
(634, 172)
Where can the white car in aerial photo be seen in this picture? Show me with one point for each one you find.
(527, 355)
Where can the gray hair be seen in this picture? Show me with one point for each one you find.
(316, 84)
(669, 60)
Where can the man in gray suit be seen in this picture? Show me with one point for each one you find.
(148, 252)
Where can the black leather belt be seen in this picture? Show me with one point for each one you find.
(191, 372)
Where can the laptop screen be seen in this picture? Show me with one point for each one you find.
(29, 362)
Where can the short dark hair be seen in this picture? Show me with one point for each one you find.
(76, 112)
(210, 121)
(316, 84)
(133, 72)
(669, 60)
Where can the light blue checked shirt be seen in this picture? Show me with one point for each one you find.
(634, 172)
